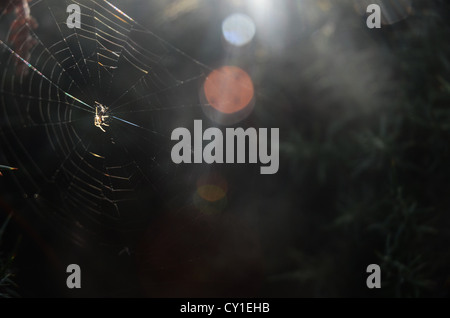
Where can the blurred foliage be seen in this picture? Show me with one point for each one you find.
(7, 285)
(385, 174)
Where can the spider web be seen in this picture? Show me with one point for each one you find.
(88, 178)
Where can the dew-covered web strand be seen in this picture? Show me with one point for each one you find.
(68, 47)
(88, 181)
(34, 69)
(52, 83)
(125, 48)
(118, 56)
(29, 65)
(39, 73)
(142, 29)
(98, 64)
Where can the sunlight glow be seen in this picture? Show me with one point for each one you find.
(238, 29)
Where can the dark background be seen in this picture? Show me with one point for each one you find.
(364, 174)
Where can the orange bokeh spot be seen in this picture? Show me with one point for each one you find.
(229, 89)
(211, 193)
(212, 187)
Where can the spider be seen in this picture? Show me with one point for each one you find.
(100, 116)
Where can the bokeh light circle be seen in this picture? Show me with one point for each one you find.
(238, 29)
(229, 89)
(228, 95)
(210, 196)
